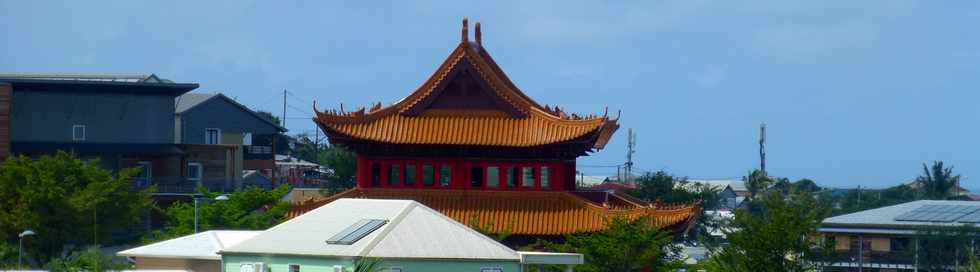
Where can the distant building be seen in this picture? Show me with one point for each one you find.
(215, 119)
(299, 173)
(195, 252)
(731, 192)
(404, 235)
(132, 121)
(885, 239)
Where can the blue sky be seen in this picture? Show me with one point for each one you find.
(853, 92)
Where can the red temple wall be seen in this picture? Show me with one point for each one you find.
(468, 174)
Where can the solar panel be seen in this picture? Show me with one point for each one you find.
(355, 232)
(970, 218)
(941, 213)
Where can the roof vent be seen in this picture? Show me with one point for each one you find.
(355, 232)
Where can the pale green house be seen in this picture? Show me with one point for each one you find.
(402, 235)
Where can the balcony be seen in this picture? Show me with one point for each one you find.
(182, 185)
(871, 259)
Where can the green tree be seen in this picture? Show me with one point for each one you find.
(269, 116)
(937, 182)
(89, 259)
(771, 235)
(627, 245)
(941, 247)
(756, 181)
(248, 209)
(806, 185)
(67, 202)
(342, 168)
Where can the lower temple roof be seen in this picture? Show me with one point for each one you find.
(524, 212)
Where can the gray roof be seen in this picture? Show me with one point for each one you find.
(129, 78)
(188, 101)
(191, 100)
(413, 231)
(884, 217)
(203, 245)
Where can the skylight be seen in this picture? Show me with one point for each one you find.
(942, 213)
(355, 232)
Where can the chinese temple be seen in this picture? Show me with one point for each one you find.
(470, 144)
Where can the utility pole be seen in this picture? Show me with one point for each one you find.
(284, 107)
(762, 149)
(630, 144)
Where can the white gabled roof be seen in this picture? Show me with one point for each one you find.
(426, 233)
(413, 231)
(203, 245)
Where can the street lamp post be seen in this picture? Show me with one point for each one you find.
(196, 199)
(20, 249)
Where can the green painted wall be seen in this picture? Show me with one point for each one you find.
(232, 263)
(281, 263)
(408, 265)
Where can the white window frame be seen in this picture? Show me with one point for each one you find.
(200, 169)
(392, 269)
(74, 137)
(146, 166)
(246, 138)
(492, 269)
(217, 139)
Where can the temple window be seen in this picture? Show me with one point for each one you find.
(394, 174)
(375, 174)
(445, 175)
(476, 176)
(409, 174)
(511, 177)
(528, 180)
(427, 175)
(545, 179)
(493, 177)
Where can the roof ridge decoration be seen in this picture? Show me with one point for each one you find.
(469, 63)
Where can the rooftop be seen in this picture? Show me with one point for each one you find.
(203, 245)
(412, 231)
(129, 78)
(907, 216)
(523, 212)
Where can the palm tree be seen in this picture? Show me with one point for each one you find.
(937, 182)
(756, 181)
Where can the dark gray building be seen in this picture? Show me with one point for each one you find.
(125, 121)
(214, 119)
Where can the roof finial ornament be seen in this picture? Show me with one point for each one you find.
(478, 35)
(466, 34)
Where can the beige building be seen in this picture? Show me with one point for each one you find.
(196, 252)
(886, 239)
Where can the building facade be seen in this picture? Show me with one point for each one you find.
(123, 121)
(471, 144)
(896, 238)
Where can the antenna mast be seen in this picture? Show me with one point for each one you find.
(630, 145)
(762, 148)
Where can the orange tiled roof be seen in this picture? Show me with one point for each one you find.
(530, 125)
(523, 213)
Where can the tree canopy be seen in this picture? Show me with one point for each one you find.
(626, 245)
(771, 234)
(66, 202)
(248, 209)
